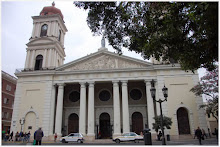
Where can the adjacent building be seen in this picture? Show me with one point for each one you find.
(8, 94)
(102, 93)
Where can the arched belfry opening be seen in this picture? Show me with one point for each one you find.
(43, 30)
(183, 121)
(38, 62)
(137, 122)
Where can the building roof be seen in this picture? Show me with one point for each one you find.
(50, 10)
(9, 77)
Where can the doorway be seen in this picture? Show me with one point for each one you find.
(105, 126)
(137, 122)
(73, 123)
(183, 121)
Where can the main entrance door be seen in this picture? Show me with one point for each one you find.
(137, 122)
(73, 123)
(105, 127)
(183, 121)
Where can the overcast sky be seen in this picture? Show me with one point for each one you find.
(17, 25)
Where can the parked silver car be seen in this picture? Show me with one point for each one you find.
(72, 137)
(131, 136)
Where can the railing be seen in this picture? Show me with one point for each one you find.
(32, 69)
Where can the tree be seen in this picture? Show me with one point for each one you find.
(208, 86)
(184, 32)
(167, 122)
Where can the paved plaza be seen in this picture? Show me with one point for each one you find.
(188, 142)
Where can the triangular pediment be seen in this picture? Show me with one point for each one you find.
(103, 60)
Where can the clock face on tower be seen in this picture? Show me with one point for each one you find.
(44, 27)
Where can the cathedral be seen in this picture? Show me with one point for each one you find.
(102, 93)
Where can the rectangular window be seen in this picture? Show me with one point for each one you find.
(8, 87)
(6, 101)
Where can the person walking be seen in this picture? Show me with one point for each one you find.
(38, 135)
(204, 134)
(16, 136)
(55, 137)
(28, 136)
(198, 133)
(209, 133)
(11, 136)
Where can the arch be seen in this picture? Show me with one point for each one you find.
(105, 130)
(44, 29)
(38, 62)
(137, 122)
(73, 123)
(183, 121)
(32, 119)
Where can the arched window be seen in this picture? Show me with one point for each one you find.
(59, 35)
(44, 30)
(38, 62)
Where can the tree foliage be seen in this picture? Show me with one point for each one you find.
(186, 32)
(208, 86)
(167, 122)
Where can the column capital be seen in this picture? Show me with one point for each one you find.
(61, 84)
(124, 82)
(83, 84)
(147, 81)
(91, 82)
(115, 81)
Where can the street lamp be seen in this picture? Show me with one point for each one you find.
(153, 94)
(22, 121)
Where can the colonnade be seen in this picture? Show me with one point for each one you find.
(91, 115)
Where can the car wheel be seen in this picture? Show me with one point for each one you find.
(136, 141)
(63, 141)
(79, 141)
(117, 141)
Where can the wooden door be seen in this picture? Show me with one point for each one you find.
(73, 123)
(183, 121)
(137, 122)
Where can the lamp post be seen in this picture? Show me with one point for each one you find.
(153, 94)
(22, 121)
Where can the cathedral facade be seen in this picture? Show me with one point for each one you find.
(102, 93)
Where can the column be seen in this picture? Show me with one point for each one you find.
(52, 109)
(49, 59)
(116, 107)
(150, 106)
(82, 110)
(32, 59)
(59, 111)
(44, 58)
(91, 115)
(125, 109)
(27, 62)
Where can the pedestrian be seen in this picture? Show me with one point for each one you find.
(204, 134)
(21, 136)
(25, 137)
(159, 135)
(55, 137)
(38, 136)
(194, 134)
(28, 136)
(216, 133)
(199, 135)
(11, 136)
(209, 133)
(16, 136)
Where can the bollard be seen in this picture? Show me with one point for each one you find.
(168, 137)
(147, 137)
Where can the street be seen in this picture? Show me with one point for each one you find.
(210, 141)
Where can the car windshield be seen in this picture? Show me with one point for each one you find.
(126, 134)
(133, 134)
(71, 135)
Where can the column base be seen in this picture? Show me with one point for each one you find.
(90, 137)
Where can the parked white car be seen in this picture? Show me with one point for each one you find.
(72, 137)
(131, 136)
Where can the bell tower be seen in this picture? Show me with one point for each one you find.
(45, 49)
